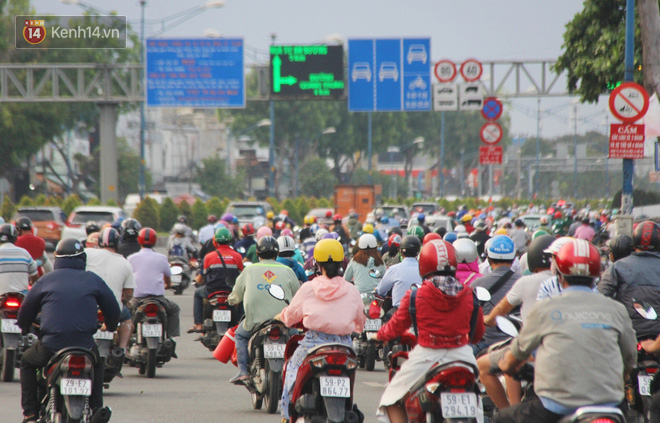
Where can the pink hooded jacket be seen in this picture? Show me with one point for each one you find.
(464, 270)
(331, 306)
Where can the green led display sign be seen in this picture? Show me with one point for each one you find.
(313, 72)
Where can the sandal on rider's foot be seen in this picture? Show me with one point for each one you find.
(195, 330)
(29, 419)
(239, 379)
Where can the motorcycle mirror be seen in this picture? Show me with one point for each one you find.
(375, 273)
(309, 272)
(482, 294)
(646, 311)
(276, 291)
(241, 250)
(176, 270)
(506, 326)
(367, 298)
(246, 263)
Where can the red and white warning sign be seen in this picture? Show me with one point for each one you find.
(626, 141)
(471, 70)
(629, 102)
(445, 71)
(491, 133)
(490, 155)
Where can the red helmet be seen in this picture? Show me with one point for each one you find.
(557, 215)
(284, 212)
(336, 217)
(328, 214)
(280, 225)
(646, 236)
(430, 237)
(147, 237)
(437, 256)
(394, 240)
(212, 218)
(248, 229)
(578, 257)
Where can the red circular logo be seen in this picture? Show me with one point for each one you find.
(34, 34)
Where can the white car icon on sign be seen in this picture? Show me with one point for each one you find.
(361, 70)
(388, 70)
(417, 53)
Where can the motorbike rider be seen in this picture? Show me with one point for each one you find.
(68, 299)
(17, 268)
(520, 236)
(182, 219)
(621, 246)
(354, 225)
(421, 219)
(447, 318)
(366, 268)
(585, 230)
(468, 261)
(128, 244)
(244, 244)
(117, 273)
(259, 306)
(400, 277)
(392, 256)
(480, 236)
(179, 244)
(341, 230)
(251, 255)
(306, 235)
(287, 248)
(207, 231)
(568, 330)
(151, 272)
(34, 245)
(219, 273)
(544, 224)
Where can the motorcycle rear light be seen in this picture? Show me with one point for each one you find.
(12, 303)
(374, 310)
(76, 364)
(639, 346)
(455, 376)
(652, 370)
(351, 364)
(99, 317)
(317, 362)
(336, 359)
(334, 372)
(274, 333)
(151, 310)
(603, 420)
(432, 387)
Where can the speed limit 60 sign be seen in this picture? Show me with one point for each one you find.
(471, 70)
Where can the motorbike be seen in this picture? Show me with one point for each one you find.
(595, 414)
(182, 273)
(11, 333)
(218, 317)
(642, 386)
(109, 352)
(150, 347)
(368, 352)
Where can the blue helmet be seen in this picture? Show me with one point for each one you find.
(501, 247)
(384, 220)
(421, 217)
(450, 237)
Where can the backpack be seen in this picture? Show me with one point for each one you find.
(177, 250)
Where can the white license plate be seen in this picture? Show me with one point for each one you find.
(221, 315)
(10, 326)
(372, 325)
(104, 334)
(459, 405)
(334, 386)
(644, 383)
(176, 278)
(152, 330)
(274, 350)
(76, 387)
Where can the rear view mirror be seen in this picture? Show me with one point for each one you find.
(646, 311)
(506, 326)
(482, 294)
(276, 291)
(375, 273)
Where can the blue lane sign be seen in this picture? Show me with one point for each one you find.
(389, 75)
(492, 109)
(195, 73)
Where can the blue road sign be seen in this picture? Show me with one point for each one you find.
(195, 73)
(492, 109)
(389, 75)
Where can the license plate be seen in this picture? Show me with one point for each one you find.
(10, 326)
(104, 334)
(176, 278)
(459, 405)
(152, 330)
(372, 325)
(274, 350)
(333, 386)
(644, 383)
(76, 387)
(221, 315)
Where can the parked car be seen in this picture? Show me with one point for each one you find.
(47, 222)
(75, 224)
(321, 215)
(426, 208)
(434, 222)
(397, 211)
(249, 212)
(532, 221)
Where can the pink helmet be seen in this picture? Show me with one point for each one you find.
(287, 232)
(264, 231)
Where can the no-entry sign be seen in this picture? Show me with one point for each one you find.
(490, 155)
(626, 141)
(629, 102)
(491, 133)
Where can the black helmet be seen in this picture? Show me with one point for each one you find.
(646, 236)
(8, 233)
(268, 246)
(396, 230)
(536, 257)
(131, 228)
(92, 227)
(70, 248)
(410, 246)
(182, 219)
(620, 246)
(109, 237)
(24, 223)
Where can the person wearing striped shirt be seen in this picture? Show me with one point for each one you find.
(17, 268)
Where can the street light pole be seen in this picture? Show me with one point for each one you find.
(142, 187)
(575, 152)
(271, 152)
(538, 147)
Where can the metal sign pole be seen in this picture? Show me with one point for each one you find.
(628, 164)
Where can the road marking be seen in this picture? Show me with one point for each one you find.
(376, 384)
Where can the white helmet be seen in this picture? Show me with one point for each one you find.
(286, 243)
(367, 241)
(319, 234)
(462, 235)
(180, 228)
(466, 251)
(460, 228)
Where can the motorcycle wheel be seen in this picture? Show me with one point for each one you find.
(8, 365)
(370, 357)
(151, 363)
(273, 391)
(178, 290)
(256, 400)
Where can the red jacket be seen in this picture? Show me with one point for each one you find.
(443, 321)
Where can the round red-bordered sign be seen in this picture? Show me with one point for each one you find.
(445, 71)
(491, 133)
(629, 102)
(492, 109)
(471, 70)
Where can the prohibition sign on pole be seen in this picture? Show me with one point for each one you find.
(445, 71)
(629, 102)
(491, 133)
(492, 109)
(471, 70)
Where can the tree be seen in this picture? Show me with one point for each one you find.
(8, 209)
(316, 178)
(214, 206)
(290, 206)
(184, 209)
(214, 180)
(147, 213)
(199, 214)
(168, 214)
(71, 203)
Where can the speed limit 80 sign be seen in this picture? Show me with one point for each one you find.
(471, 70)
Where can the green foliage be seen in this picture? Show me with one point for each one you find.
(168, 214)
(199, 214)
(312, 202)
(316, 178)
(112, 202)
(274, 204)
(303, 207)
(225, 203)
(324, 203)
(184, 209)
(71, 203)
(214, 180)
(25, 201)
(290, 206)
(8, 209)
(40, 200)
(215, 206)
(147, 213)
(94, 201)
(361, 177)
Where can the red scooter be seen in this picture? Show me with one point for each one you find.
(11, 333)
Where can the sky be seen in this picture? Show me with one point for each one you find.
(485, 30)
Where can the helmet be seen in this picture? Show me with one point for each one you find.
(222, 236)
(287, 232)
(460, 228)
(416, 231)
(284, 212)
(248, 229)
(267, 244)
(182, 219)
(537, 258)
(557, 215)
(519, 222)
(394, 240)
(557, 244)
(646, 236)
(309, 220)
(367, 241)
(450, 237)
(212, 218)
(578, 258)
(368, 228)
(109, 237)
(480, 225)
(69, 248)
(539, 233)
(437, 257)
(264, 231)
(320, 234)
(280, 225)
(147, 237)
(131, 228)
(328, 214)
(421, 217)
(385, 220)
(270, 215)
(286, 243)
(620, 246)
(227, 217)
(543, 220)
(501, 248)
(403, 223)
(501, 231)
(430, 237)
(466, 218)
(179, 228)
(24, 223)
(462, 235)
(8, 233)
(92, 227)
(336, 217)
(410, 246)
(466, 251)
(331, 235)
(328, 250)
(92, 240)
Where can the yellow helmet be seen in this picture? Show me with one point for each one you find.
(270, 215)
(466, 218)
(501, 231)
(368, 228)
(328, 250)
(309, 220)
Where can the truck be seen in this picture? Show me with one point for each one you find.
(361, 198)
